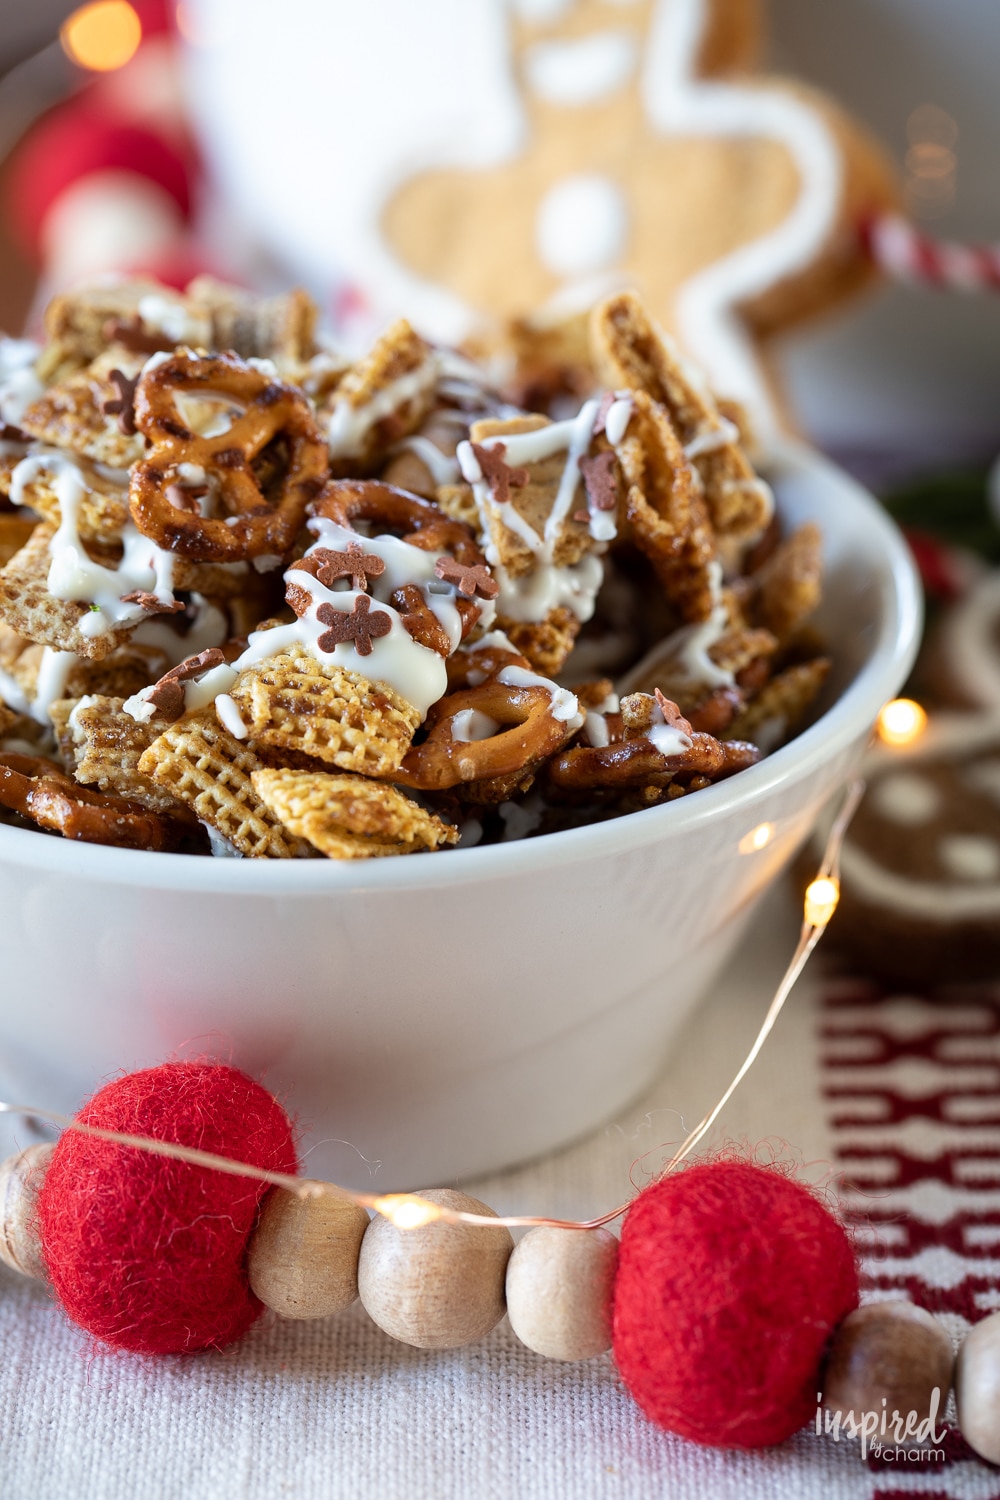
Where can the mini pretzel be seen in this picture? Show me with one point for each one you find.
(38, 789)
(529, 734)
(419, 522)
(635, 762)
(471, 667)
(254, 525)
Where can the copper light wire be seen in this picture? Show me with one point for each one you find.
(409, 1210)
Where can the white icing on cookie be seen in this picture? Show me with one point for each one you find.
(936, 902)
(680, 103)
(970, 641)
(984, 776)
(906, 798)
(970, 856)
(582, 225)
(538, 11)
(582, 70)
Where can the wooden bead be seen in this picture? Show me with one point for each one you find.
(559, 1288)
(439, 1286)
(20, 1181)
(303, 1257)
(977, 1388)
(892, 1351)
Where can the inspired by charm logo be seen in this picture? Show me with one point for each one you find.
(893, 1437)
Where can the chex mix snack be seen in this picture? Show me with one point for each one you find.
(257, 598)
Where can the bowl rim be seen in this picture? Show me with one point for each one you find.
(892, 654)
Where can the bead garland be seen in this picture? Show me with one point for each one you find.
(730, 1301)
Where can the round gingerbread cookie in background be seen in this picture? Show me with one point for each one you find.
(963, 651)
(920, 869)
(509, 156)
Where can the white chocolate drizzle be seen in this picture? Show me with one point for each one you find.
(667, 738)
(595, 727)
(176, 321)
(684, 656)
(711, 437)
(565, 706)
(230, 717)
(618, 417)
(208, 628)
(53, 673)
(441, 468)
(19, 385)
(73, 575)
(404, 564)
(469, 725)
(350, 424)
(13, 694)
(531, 596)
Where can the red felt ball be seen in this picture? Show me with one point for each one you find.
(731, 1278)
(146, 1253)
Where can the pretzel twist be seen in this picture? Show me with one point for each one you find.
(254, 524)
(388, 509)
(38, 789)
(635, 762)
(528, 734)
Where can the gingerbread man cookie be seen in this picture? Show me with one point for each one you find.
(649, 155)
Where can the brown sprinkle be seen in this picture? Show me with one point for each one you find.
(298, 598)
(122, 406)
(469, 581)
(134, 336)
(154, 605)
(360, 626)
(167, 695)
(601, 416)
(355, 563)
(501, 476)
(600, 480)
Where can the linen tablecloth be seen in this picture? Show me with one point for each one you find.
(897, 1094)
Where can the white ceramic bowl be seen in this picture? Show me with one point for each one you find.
(445, 1014)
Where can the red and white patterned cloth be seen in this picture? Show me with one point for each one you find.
(898, 1092)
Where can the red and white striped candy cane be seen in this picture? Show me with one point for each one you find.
(906, 255)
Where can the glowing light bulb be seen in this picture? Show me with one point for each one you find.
(822, 896)
(758, 838)
(101, 36)
(901, 721)
(407, 1211)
